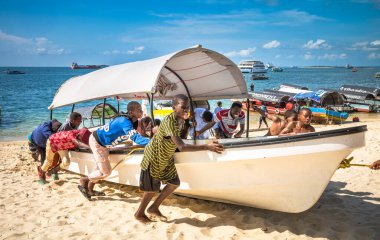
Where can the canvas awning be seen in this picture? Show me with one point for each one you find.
(323, 97)
(360, 90)
(269, 97)
(206, 73)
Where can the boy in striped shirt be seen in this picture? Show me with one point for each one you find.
(227, 120)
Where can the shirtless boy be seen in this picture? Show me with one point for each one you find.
(278, 124)
(300, 126)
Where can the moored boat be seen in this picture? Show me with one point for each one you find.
(286, 173)
(277, 69)
(14, 72)
(76, 66)
(377, 75)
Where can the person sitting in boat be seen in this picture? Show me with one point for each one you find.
(227, 120)
(145, 126)
(73, 123)
(202, 117)
(120, 129)
(375, 165)
(300, 126)
(38, 138)
(158, 166)
(278, 124)
(219, 107)
(58, 144)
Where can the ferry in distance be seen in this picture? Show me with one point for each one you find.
(252, 66)
(75, 65)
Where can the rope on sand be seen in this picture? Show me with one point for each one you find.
(346, 163)
(126, 156)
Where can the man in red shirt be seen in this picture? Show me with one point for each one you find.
(228, 120)
(58, 144)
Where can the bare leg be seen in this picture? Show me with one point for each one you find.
(90, 187)
(153, 209)
(140, 213)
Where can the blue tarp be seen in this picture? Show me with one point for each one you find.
(315, 96)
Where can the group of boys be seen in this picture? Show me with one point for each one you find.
(157, 165)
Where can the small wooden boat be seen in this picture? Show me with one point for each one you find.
(377, 75)
(286, 174)
(323, 115)
(14, 72)
(354, 69)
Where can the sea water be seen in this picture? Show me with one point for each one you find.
(24, 98)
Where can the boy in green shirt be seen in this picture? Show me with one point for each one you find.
(158, 163)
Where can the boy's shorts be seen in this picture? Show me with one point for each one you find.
(150, 184)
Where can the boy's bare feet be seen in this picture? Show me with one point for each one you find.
(156, 212)
(143, 219)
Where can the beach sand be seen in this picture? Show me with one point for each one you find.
(348, 209)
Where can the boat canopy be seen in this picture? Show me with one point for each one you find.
(357, 96)
(289, 94)
(359, 89)
(287, 85)
(91, 113)
(205, 73)
(270, 97)
(323, 97)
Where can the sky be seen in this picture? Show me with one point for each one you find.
(285, 33)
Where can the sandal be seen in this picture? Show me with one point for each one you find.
(97, 193)
(85, 192)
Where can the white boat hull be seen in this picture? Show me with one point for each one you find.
(288, 177)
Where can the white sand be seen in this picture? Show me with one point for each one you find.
(349, 208)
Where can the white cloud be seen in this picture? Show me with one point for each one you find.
(296, 18)
(34, 46)
(272, 44)
(365, 46)
(374, 56)
(12, 38)
(136, 50)
(375, 43)
(308, 56)
(277, 56)
(332, 56)
(318, 44)
(290, 56)
(241, 53)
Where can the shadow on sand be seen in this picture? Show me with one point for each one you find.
(336, 211)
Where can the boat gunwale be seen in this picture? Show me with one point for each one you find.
(252, 142)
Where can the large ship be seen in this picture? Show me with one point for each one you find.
(75, 65)
(252, 66)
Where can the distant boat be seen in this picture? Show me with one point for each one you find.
(259, 77)
(269, 65)
(377, 75)
(348, 66)
(252, 66)
(277, 69)
(76, 66)
(14, 72)
(354, 69)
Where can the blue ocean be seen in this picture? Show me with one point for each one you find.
(25, 98)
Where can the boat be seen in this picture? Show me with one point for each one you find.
(287, 173)
(259, 77)
(252, 66)
(76, 66)
(348, 66)
(14, 72)
(269, 65)
(377, 75)
(354, 69)
(363, 99)
(277, 69)
(323, 115)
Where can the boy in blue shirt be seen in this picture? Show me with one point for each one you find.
(37, 139)
(115, 132)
